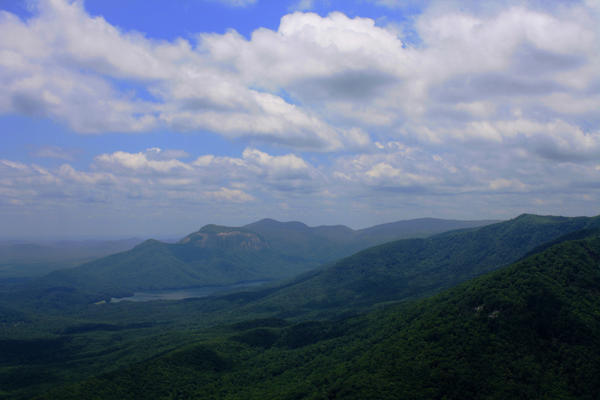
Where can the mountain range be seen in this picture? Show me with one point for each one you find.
(527, 331)
(413, 268)
(219, 255)
(505, 310)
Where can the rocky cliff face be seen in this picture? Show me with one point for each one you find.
(216, 237)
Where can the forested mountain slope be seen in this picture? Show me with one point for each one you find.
(527, 331)
(414, 268)
(212, 256)
(330, 242)
(76, 338)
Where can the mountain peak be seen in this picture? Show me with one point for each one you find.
(148, 243)
(269, 223)
(540, 219)
(213, 228)
(223, 237)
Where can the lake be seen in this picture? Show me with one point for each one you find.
(186, 293)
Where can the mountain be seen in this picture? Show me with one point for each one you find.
(212, 256)
(415, 228)
(219, 255)
(320, 244)
(29, 251)
(413, 268)
(330, 242)
(28, 259)
(222, 237)
(73, 343)
(527, 331)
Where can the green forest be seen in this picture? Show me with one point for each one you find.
(507, 310)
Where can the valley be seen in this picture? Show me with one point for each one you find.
(186, 293)
(64, 341)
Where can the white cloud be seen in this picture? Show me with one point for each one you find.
(257, 169)
(231, 195)
(14, 165)
(507, 184)
(153, 178)
(285, 166)
(490, 101)
(140, 162)
(392, 178)
(385, 175)
(72, 60)
(307, 45)
(66, 171)
(204, 161)
(478, 109)
(344, 76)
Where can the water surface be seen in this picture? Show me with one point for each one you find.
(185, 293)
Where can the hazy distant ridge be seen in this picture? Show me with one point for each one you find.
(220, 255)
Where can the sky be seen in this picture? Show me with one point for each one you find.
(153, 118)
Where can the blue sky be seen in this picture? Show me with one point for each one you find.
(153, 118)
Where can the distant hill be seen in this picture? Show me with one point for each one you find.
(415, 228)
(212, 256)
(64, 250)
(528, 331)
(330, 242)
(219, 255)
(413, 268)
(28, 259)
(320, 244)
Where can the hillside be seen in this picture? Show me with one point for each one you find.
(212, 256)
(219, 255)
(88, 339)
(413, 268)
(528, 331)
(330, 242)
(415, 228)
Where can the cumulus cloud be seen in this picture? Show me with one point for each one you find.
(353, 53)
(284, 173)
(493, 101)
(33, 185)
(286, 166)
(231, 195)
(139, 162)
(152, 161)
(345, 79)
(472, 71)
(156, 175)
(507, 184)
(392, 177)
(65, 63)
